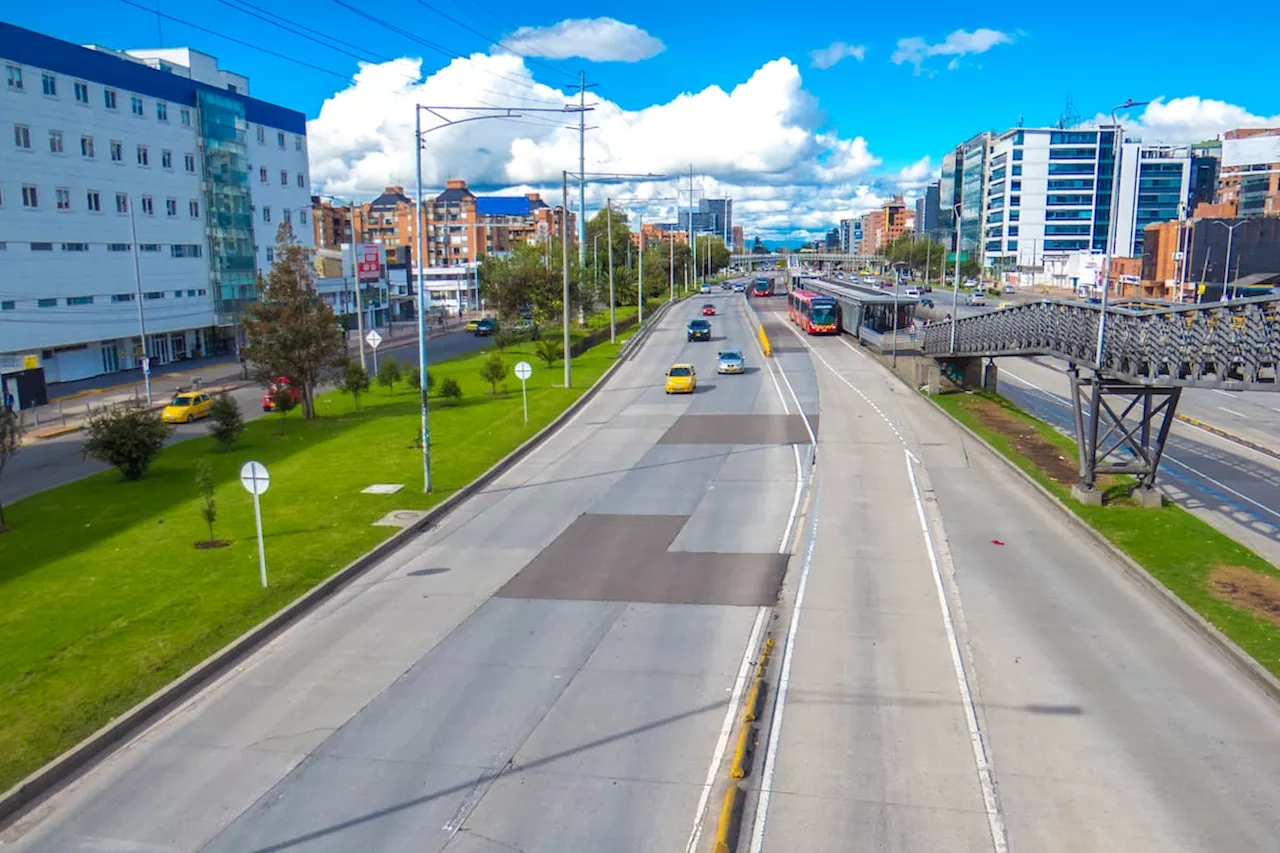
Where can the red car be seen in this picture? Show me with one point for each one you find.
(279, 384)
(708, 309)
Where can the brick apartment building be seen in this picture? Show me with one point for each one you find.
(881, 227)
(1249, 177)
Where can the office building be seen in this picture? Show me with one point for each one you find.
(927, 211)
(833, 240)
(1249, 178)
(1206, 161)
(739, 239)
(1049, 191)
(881, 227)
(142, 186)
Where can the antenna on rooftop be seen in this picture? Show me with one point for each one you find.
(1069, 118)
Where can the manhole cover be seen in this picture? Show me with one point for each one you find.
(383, 488)
(400, 518)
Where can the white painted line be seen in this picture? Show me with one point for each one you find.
(780, 695)
(1223, 393)
(795, 503)
(986, 778)
(726, 728)
(813, 438)
(1233, 412)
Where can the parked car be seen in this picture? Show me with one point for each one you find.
(276, 385)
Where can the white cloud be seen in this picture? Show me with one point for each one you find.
(915, 50)
(1187, 119)
(915, 177)
(831, 54)
(362, 140)
(596, 39)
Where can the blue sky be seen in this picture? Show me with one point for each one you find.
(1022, 60)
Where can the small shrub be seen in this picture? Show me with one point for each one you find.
(355, 381)
(226, 423)
(209, 507)
(389, 374)
(493, 370)
(128, 440)
(450, 389)
(11, 430)
(504, 338)
(549, 350)
(413, 377)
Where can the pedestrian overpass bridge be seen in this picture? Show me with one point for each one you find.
(815, 258)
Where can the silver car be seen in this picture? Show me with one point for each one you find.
(731, 361)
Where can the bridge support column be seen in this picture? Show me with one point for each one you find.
(1121, 428)
(961, 371)
(990, 376)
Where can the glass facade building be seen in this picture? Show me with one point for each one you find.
(227, 202)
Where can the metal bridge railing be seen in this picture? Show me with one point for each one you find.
(1222, 344)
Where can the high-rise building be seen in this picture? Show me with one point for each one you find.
(881, 227)
(140, 187)
(927, 211)
(973, 190)
(833, 240)
(739, 239)
(1206, 160)
(1250, 173)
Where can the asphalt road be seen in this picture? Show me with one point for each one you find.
(1232, 487)
(551, 669)
(52, 462)
(1052, 704)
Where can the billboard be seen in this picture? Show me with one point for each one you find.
(1251, 151)
(368, 262)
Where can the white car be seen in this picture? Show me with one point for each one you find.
(912, 291)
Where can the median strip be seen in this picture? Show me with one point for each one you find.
(1229, 436)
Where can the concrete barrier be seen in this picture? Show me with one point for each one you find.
(730, 819)
(751, 707)
(764, 342)
(742, 752)
(70, 763)
(1229, 436)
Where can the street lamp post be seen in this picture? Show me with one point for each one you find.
(613, 329)
(1231, 230)
(955, 284)
(1116, 150)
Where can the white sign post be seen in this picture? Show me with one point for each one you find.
(373, 339)
(256, 480)
(523, 372)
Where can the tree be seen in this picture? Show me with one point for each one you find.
(355, 381)
(493, 370)
(291, 332)
(450, 389)
(209, 508)
(503, 338)
(389, 373)
(10, 443)
(128, 440)
(284, 402)
(549, 350)
(225, 421)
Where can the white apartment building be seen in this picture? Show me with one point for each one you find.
(137, 187)
(1049, 194)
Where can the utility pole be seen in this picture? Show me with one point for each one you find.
(613, 328)
(671, 266)
(142, 319)
(640, 278)
(955, 284)
(564, 238)
(692, 242)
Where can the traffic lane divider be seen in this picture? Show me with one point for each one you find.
(743, 751)
(1229, 436)
(730, 820)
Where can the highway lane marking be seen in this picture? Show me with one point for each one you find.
(1223, 393)
(986, 777)
(726, 728)
(780, 695)
(1233, 412)
(1169, 456)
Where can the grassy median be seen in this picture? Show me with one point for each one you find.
(106, 597)
(1222, 580)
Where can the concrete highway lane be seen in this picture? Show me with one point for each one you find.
(1232, 487)
(553, 668)
(964, 670)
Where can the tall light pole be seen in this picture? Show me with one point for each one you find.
(613, 328)
(640, 277)
(137, 283)
(1117, 149)
(1231, 230)
(564, 239)
(955, 283)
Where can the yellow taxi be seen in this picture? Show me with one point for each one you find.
(681, 379)
(472, 325)
(185, 408)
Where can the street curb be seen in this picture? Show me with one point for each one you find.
(1229, 436)
(730, 820)
(1242, 660)
(68, 429)
(67, 766)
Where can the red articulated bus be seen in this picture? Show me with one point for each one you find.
(762, 287)
(813, 312)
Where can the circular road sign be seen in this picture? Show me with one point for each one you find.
(523, 370)
(254, 477)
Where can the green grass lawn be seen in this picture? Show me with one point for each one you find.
(1178, 548)
(106, 598)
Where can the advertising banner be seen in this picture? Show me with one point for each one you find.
(368, 262)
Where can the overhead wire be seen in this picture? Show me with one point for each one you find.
(496, 41)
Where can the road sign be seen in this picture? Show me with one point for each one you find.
(146, 365)
(523, 372)
(373, 338)
(256, 480)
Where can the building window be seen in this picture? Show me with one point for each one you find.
(75, 247)
(30, 196)
(42, 247)
(122, 203)
(86, 146)
(22, 136)
(7, 305)
(153, 294)
(62, 198)
(262, 134)
(284, 178)
(46, 303)
(135, 106)
(286, 216)
(50, 85)
(148, 247)
(162, 111)
(171, 207)
(262, 175)
(14, 75)
(117, 151)
(301, 182)
(144, 159)
(271, 255)
(82, 93)
(109, 98)
(148, 206)
(166, 159)
(302, 215)
(193, 207)
(185, 115)
(280, 140)
(93, 201)
(266, 213)
(117, 247)
(185, 250)
(55, 141)
(122, 297)
(297, 143)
